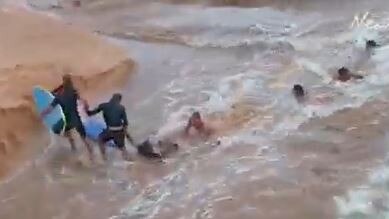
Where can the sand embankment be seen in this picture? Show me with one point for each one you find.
(37, 50)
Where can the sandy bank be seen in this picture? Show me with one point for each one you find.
(36, 50)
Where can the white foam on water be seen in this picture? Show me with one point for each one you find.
(371, 199)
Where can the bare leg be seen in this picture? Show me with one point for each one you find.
(88, 147)
(69, 136)
(125, 154)
(102, 150)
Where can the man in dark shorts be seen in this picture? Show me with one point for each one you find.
(67, 97)
(115, 118)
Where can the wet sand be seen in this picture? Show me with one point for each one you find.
(38, 50)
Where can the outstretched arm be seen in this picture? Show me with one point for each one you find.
(94, 111)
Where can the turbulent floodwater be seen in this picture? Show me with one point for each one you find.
(233, 62)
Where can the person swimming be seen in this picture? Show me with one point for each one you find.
(197, 124)
(344, 75)
(298, 92)
(370, 44)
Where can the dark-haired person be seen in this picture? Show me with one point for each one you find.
(344, 75)
(371, 44)
(299, 92)
(115, 118)
(302, 96)
(197, 124)
(67, 96)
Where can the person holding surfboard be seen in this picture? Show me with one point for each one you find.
(67, 97)
(115, 118)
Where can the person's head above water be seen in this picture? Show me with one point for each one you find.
(116, 98)
(343, 71)
(344, 75)
(196, 121)
(298, 90)
(371, 44)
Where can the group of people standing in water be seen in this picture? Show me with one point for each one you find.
(115, 118)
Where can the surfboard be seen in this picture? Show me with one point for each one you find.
(55, 120)
(94, 128)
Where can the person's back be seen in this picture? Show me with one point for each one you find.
(113, 114)
(299, 93)
(115, 118)
(68, 101)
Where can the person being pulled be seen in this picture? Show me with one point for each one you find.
(345, 75)
(160, 147)
(115, 118)
(67, 98)
(153, 148)
(197, 127)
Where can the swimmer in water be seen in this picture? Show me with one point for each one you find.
(371, 44)
(156, 149)
(302, 96)
(115, 118)
(196, 123)
(344, 75)
(299, 93)
(66, 96)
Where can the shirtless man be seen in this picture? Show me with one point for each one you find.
(197, 124)
(371, 44)
(158, 149)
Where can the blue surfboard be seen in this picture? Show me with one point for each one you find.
(94, 128)
(55, 120)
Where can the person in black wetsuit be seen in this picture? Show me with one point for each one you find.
(115, 117)
(66, 96)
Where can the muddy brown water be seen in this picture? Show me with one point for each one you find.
(277, 159)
